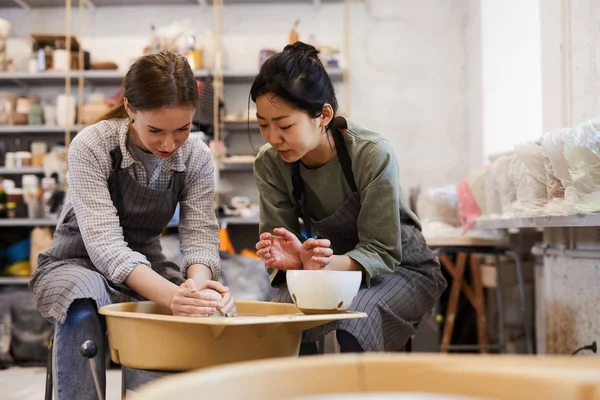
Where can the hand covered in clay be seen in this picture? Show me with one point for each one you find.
(193, 300)
(316, 254)
(280, 250)
(226, 302)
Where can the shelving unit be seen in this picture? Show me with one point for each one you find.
(27, 222)
(21, 171)
(14, 280)
(11, 130)
(240, 220)
(116, 76)
(237, 131)
(27, 4)
(93, 77)
(336, 75)
(238, 134)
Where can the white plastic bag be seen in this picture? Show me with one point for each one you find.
(439, 205)
(477, 182)
(553, 148)
(564, 206)
(499, 187)
(582, 152)
(529, 176)
(562, 196)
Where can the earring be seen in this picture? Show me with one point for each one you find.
(131, 120)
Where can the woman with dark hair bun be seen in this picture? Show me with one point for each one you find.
(342, 181)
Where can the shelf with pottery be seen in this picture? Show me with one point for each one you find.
(20, 281)
(91, 4)
(21, 171)
(237, 125)
(547, 221)
(237, 163)
(14, 280)
(35, 129)
(314, 2)
(27, 4)
(27, 222)
(336, 75)
(255, 220)
(116, 76)
(57, 77)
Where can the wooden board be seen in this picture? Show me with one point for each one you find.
(458, 241)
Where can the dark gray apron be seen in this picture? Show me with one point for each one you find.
(396, 302)
(65, 271)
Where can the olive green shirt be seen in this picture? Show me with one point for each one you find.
(375, 168)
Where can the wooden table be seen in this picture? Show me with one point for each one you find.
(466, 248)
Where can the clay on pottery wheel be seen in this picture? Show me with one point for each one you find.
(216, 296)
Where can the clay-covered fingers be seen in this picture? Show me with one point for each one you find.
(272, 262)
(322, 252)
(281, 265)
(190, 289)
(316, 254)
(264, 253)
(314, 243)
(263, 247)
(266, 237)
(214, 285)
(192, 311)
(185, 305)
(227, 306)
(320, 262)
(284, 233)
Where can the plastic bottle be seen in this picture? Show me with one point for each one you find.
(294, 37)
(2, 201)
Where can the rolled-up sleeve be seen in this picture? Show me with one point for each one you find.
(276, 207)
(97, 216)
(199, 227)
(379, 249)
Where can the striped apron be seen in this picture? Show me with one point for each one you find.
(65, 271)
(396, 302)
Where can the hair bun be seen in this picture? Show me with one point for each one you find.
(302, 49)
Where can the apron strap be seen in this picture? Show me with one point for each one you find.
(346, 163)
(344, 157)
(299, 196)
(113, 179)
(116, 158)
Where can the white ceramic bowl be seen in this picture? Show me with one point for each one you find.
(323, 292)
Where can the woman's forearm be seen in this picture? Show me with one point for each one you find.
(343, 263)
(149, 284)
(199, 273)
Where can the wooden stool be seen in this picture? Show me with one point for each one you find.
(467, 249)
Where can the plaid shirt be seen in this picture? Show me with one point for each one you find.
(88, 196)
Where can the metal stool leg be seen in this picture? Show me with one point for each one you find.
(479, 303)
(49, 387)
(521, 284)
(499, 305)
(408, 346)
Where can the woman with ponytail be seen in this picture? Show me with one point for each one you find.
(127, 173)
